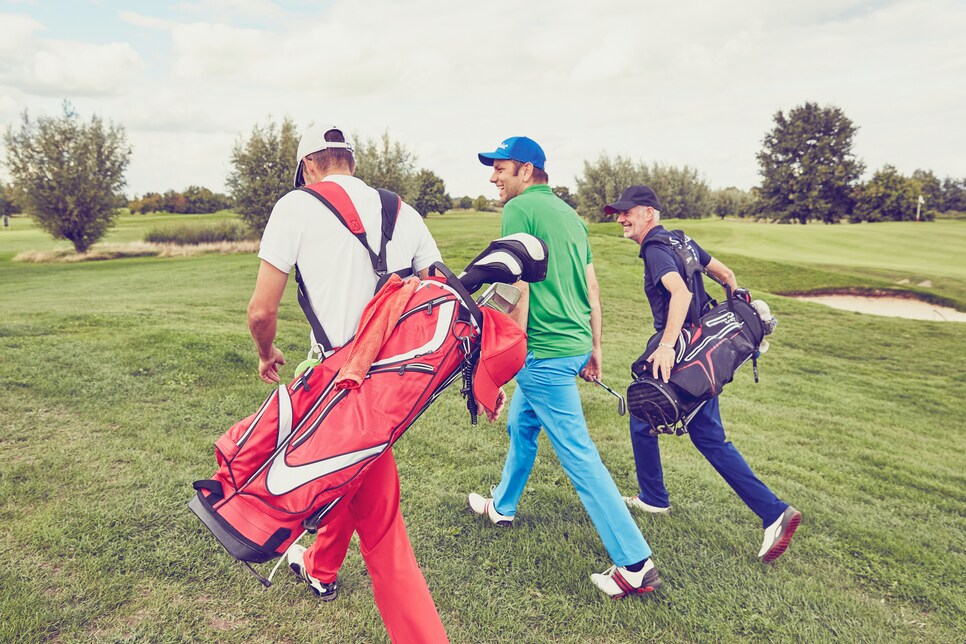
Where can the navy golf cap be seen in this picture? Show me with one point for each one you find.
(634, 196)
(517, 148)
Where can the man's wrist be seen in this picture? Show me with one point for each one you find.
(665, 344)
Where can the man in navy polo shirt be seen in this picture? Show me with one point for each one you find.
(638, 212)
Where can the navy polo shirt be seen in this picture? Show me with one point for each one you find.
(659, 260)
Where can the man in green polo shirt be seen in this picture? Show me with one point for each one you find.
(562, 318)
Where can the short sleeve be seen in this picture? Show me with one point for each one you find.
(283, 233)
(426, 252)
(703, 256)
(659, 260)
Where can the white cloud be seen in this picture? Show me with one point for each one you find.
(81, 69)
(16, 32)
(35, 65)
(693, 83)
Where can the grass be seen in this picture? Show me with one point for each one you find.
(118, 376)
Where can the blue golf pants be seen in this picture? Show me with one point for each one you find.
(707, 434)
(546, 397)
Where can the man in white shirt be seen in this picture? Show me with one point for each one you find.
(338, 278)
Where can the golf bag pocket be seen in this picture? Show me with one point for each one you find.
(706, 359)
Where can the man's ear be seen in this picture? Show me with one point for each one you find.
(527, 169)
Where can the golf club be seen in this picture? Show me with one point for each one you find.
(621, 403)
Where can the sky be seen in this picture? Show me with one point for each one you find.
(692, 83)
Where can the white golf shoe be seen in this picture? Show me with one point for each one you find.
(635, 503)
(779, 534)
(619, 582)
(484, 506)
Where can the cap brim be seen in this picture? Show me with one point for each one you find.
(487, 158)
(618, 206)
(485, 390)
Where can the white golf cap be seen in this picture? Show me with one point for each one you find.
(313, 140)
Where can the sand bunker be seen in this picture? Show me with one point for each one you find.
(896, 307)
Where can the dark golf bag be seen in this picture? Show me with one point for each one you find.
(283, 469)
(706, 359)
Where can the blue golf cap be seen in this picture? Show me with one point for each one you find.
(517, 148)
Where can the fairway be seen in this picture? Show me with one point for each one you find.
(118, 376)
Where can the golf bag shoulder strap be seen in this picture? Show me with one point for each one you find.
(677, 241)
(337, 200)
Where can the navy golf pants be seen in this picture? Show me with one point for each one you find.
(707, 434)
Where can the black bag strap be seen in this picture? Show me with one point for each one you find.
(335, 198)
(692, 268)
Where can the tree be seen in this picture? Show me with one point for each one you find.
(465, 202)
(807, 166)
(930, 187)
(888, 196)
(602, 182)
(67, 174)
(681, 190)
(386, 164)
(429, 193)
(563, 193)
(954, 194)
(264, 166)
(7, 205)
(202, 200)
(732, 202)
(482, 204)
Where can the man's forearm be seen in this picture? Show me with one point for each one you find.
(521, 311)
(263, 328)
(676, 315)
(596, 321)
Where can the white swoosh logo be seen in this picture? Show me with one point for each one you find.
(282, 478)
(447, 311)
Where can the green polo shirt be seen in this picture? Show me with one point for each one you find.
(559, 322)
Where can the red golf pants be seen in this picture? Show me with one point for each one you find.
(398, 585)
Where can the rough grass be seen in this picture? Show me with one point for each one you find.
(227, 230)
(117, 377)
(99, 252)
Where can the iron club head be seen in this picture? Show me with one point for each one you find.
(621, 403)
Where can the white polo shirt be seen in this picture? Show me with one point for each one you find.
(335, 267)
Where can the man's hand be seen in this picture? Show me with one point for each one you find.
(591, 370)
(662, 360)
(491, 416)
(268, 369)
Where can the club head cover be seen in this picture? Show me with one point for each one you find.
(506, 260)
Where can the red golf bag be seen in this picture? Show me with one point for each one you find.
(284, 468)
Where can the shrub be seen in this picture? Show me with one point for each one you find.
(192, 234)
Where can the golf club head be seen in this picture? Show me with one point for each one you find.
(499, 296)
(621, 403)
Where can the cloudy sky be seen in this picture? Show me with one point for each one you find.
(694, 83)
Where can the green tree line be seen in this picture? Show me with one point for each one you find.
(68, 174)
(192, 200)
